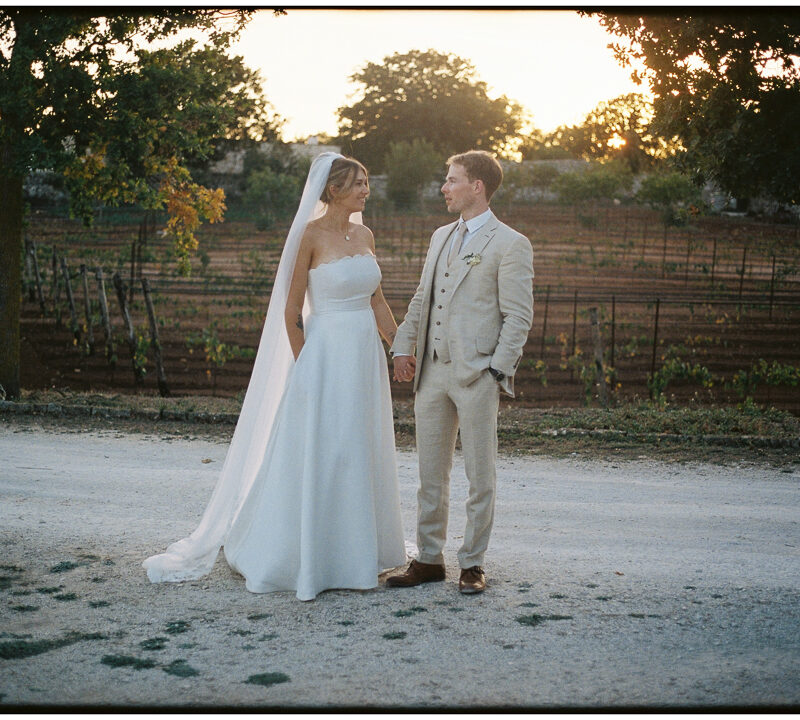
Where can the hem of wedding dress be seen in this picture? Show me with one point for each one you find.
(306, 597)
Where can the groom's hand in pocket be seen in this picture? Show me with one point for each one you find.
(404, 367)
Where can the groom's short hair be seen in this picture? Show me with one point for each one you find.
(480, 165)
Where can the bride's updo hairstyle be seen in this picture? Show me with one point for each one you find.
(341, 178)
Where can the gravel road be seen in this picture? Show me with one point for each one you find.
(611, 584)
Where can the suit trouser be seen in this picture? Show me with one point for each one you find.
(442, 405)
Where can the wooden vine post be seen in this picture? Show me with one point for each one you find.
(544, 324)
(56, 289)
(119, 286)
(772, 288)
(741, 282)
(87, 310)
(37, 276)
(101, 294)
(155, 343)
(29, 279)
(574, 330)
(73, 315)
(655, 344)
(598, 357)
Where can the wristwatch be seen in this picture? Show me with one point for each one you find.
(497, 375)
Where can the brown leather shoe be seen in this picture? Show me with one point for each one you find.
(472, 580)
(417, 574)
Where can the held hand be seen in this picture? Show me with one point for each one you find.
(404, 368)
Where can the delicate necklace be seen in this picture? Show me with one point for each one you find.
(346, 234)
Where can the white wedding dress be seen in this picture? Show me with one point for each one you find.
(307, 498)
(324, 510)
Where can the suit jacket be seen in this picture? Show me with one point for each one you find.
(491, 308)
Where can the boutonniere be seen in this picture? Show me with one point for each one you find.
(472, 259)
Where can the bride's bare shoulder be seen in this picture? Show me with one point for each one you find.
(312, 233)
(360, 231)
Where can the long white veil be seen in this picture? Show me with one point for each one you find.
(194, 556)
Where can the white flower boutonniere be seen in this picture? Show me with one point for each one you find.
(472, 259)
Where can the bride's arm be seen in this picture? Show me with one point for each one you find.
(293, 315)
(387, 326)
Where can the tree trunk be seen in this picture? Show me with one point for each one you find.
(11, 213)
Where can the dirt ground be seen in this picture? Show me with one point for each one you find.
(617, 579)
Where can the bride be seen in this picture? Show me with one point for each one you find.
(308, 497)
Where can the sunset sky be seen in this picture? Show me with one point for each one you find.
(554, 62)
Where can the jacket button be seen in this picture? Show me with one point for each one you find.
(442, 289)
(438, 323)
(447, 274)
(439, 307)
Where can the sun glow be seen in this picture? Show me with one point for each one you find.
(556, 63)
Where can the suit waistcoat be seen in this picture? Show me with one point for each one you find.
(441, 294)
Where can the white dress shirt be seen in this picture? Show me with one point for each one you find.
(473, 225)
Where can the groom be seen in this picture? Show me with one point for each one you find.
(468, 321)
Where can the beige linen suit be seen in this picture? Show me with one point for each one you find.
(465, 317)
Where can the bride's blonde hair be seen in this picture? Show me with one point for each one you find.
(341, 178)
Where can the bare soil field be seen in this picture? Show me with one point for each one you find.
(726, 290)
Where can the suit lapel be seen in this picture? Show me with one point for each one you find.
(436, 251)
(441, 241)
(475, 247)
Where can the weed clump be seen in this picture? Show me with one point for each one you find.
(267, 679)
(128, 661)
(180, 668)
(534, 620)
(177, 627)
(18, 649)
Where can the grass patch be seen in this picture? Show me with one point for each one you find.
(156, 643)
(12, 568)
(134, 402)
(346, 622)
(534, 620)
(65, 566)
(411, 611)
(456, 609)
(49, 590)
(177, 627)
(180, 668)
(99, 603)
(603, 598)
(646, 419)
(20, 593)
(557, 596)
(65, 597)
(529, 604)
(394, 635)
(128, 661)
(268, 636)
(267, 679)
(25, 608)
(5, 582)
(259, 616)
(242, 633)
(19, 649)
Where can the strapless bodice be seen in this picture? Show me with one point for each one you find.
(344, 284)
